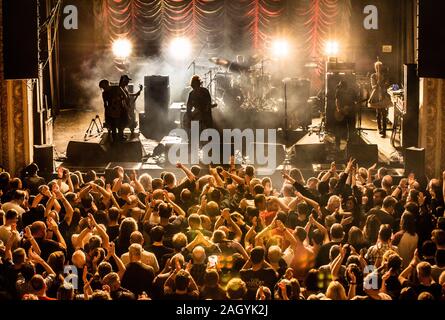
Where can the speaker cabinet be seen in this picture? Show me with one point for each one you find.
(44, 157)
(410, 123)
(304, 155)
(365, 154)
(431, 39)
(20, 41)
(415, 161)
(157, 100)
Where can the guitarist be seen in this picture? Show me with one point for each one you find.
(345, 113)
(199, 105)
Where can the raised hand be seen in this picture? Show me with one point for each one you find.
(333, 167)
(92, 220)
(225, 214)
(120, 172)
(52, 224)
(27, 233)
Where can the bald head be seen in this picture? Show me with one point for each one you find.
(135, 252)
(386, 182)
(79, 259)
(199, 255)
(38, 229)
(274, 254)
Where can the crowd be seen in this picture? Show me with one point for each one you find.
(349, 235)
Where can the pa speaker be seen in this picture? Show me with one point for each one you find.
(44, 158)
(20, 41)
(410, 121)
(365, 154)
(415, 161)
(304, 155)
(157, 100)
(431, 39)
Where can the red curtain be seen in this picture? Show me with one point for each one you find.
(224, 24)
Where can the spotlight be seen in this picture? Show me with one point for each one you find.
(280, 48)
(332, 48)
(122, 48)
(180, 48)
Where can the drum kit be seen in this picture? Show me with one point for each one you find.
(243, 84)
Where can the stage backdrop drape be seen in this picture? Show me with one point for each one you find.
(223, 25)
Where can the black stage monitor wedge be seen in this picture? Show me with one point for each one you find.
(20, 41)
(431, 39)
(304, 155)
(365, 154)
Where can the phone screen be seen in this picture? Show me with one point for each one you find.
(213, 260)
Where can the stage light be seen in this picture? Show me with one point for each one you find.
(332, 48)
(122, 48)
(280, 48)
(180, 48)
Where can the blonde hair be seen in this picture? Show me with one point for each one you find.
(336, 291)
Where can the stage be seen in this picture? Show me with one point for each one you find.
(72, 124)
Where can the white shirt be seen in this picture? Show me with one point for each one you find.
(147, 258)
(407, 246)
(12, 205)
(5, 233)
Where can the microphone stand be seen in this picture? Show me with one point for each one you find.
(193, 63)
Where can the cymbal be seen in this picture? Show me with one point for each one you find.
(220, 61)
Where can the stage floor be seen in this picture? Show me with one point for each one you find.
(71, 124)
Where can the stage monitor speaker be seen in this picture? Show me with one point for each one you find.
(305, 155)
(415, 161)
(96, 152)
(297, 95)
(157, 100)
(20, 39)
(332, 81)
(410, 122)
(365, 154)
(44, 157)
(86, 153)
(278, 152)
(431, 39)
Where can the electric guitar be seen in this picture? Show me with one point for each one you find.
(348, 110)
(195, 115)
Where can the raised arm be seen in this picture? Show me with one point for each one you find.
(118, 182)
(111, 252)
(38, 260)
(28, 236)
(336, 265)
(55, 229)
(68, 208)
(235, 228)
(102, 233)
(176, 208)
(187, 171)
(329, 173)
